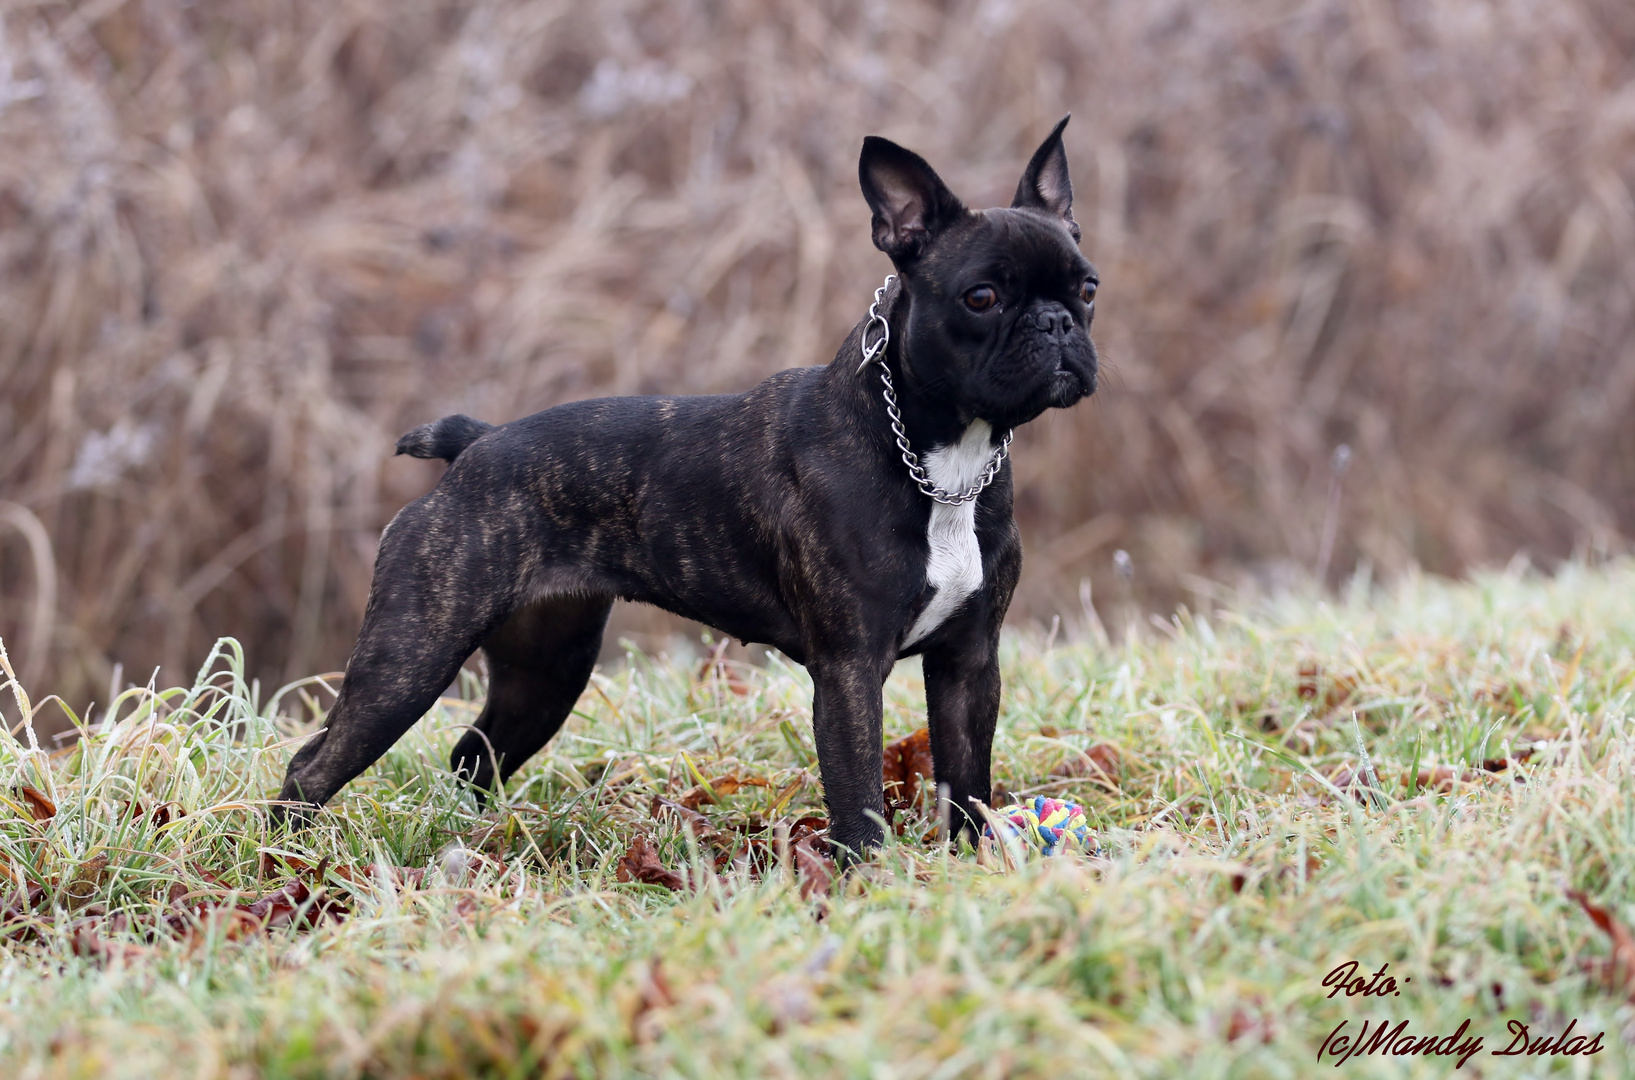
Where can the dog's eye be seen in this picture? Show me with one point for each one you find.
(1087, 291)
(981, 298)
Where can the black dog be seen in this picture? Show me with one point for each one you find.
(797, 514)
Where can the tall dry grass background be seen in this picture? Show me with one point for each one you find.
(245, 244)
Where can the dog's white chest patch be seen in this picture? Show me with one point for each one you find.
(954, 569)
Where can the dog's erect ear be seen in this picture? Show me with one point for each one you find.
(1045, 185)
(911, 204)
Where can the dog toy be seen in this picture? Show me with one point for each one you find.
(1051, 825)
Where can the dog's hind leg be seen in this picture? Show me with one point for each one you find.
(441, 586)
(539, 661)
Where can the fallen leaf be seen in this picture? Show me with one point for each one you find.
(1443, 778)
(1351, 781)
(1250, 1020)
(907, 763)
(1100, 764)
(40, 807)
(688, 818)
(751, 854)
(162, 815)
(1617, 972)
(1306, 688)
(655, 994)
(1336, 690)
(803, 828)
(641, 863)
(790, 999)
(1516, 757)
(360, 876)
(730, 784)
(86, 880)
(294, 903)
(16, 907)
(716, 667)
(815, 869)
(87, 942)
(1339, 691)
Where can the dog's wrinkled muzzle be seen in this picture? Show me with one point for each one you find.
(1071, 384)
(1073, 380)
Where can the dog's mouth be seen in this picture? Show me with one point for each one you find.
(1068, 385)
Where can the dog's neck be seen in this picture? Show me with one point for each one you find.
(931, 420)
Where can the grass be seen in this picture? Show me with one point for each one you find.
(1240, 868)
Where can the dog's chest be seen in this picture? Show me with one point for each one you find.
(954, 565)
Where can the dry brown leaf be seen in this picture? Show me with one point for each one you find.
(86, 880)
(1306, 688)
(1335, 690)
(688, 818)
(14, 920)
(653, 996)
(1251, 1019)
(402, 877)
(716, 667)
(162, 815)
(730, 784)
(907, 764)
(656, 992)
(1500, 764)
(1617, 972)
(1240, 873)
(641, 863)
(88, 942)
(1351, 781)
(804, 827)
(294, 903)
(1444, 778)
(1100, 764)
(815, 869)
(39, 807)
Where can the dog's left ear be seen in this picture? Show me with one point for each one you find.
(911, 204)
(1045, 185)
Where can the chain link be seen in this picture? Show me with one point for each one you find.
(877, 351)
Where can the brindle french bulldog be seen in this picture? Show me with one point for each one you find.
(849, 515)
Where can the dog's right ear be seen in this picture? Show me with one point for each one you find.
(911, 204)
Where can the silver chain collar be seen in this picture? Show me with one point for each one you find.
(877, 351)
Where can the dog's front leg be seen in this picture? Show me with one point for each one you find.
(846, 723)
(962, 703)
(961, 668)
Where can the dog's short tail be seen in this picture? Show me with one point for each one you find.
(445, 438)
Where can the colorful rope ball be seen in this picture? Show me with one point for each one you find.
(1051, 826)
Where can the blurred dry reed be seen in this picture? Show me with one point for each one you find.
(244, 245)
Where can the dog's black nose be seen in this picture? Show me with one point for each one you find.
(1054, 321)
